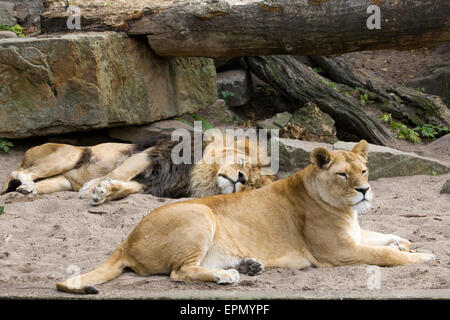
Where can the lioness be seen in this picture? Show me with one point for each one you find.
(110, 171)
(307, 219)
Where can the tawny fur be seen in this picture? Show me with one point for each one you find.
(114, 170)
(307, 219)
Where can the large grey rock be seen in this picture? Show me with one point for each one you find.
(87, 81)
(437, 83)
(234, 86)
(28, 12)
(383, 161)
(294, 154)
(440, 147)
(140, 133)
(311, 124)
(387, 162)
(7, 13)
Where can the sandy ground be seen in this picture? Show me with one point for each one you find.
(43, 238)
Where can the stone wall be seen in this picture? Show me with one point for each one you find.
(24, 12)
(87, 81)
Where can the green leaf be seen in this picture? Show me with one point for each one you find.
(5, 145)
(184, 121)
(226, 94)
(205, 124)
(318, 70)
(2, 210)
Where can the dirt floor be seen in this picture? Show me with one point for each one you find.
(43, 238)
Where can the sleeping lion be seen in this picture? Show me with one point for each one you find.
(307, 219)
(111, 171)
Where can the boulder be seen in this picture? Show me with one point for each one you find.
(7, 13)
(387, 162)
(294, 154)
(383, 161)
(217, 114)
(234, 86)
(24, 12)
(28, 12)
(311, 124)
(84, 81)
(440, 148)
(139, 133)
(437, 83)
(278, 121)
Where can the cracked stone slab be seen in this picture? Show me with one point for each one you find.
(84, 81)
(383, 162)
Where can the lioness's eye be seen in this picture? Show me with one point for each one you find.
(342, 174)
(364, 171)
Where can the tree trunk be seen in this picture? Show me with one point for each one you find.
(247, 28)
(404, 103)
(300, 83)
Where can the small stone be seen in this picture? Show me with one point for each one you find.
(446, 187)
(7, 34)
(282, 119)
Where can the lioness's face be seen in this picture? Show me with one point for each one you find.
(342, 177)
(232, 178)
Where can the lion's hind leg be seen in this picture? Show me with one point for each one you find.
(99, 189)
(54, 184)
(44, 161)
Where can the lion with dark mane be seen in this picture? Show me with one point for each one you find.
(111, 171)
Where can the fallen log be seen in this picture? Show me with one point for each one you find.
(406, 104)
(301, 84)
(273, 27)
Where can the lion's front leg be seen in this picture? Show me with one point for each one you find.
(384, 256)
(371, 238)
(110, 189)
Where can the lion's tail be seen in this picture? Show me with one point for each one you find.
(108, 270)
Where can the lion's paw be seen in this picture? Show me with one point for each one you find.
(399, 243)
(101, 192)
(426, 256)
(227, 276)
(251, 266)
(88, 188)
(28, 188)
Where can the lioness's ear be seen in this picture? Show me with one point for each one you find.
(321, 157)
(362, 148)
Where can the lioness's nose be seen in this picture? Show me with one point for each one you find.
(362, 190)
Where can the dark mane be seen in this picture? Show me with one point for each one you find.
(163, 178)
